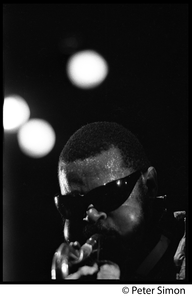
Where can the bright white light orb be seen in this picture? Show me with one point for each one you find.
(87, 69)
(36, 138)
(15, 112)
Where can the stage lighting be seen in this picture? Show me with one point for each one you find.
(36, 138)
(15, 112)
(87, 69)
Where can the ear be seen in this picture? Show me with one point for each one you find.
(150, 181)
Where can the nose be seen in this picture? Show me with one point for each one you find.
(93, 215)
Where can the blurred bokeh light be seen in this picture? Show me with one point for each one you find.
(15, 112)
(87, 69)
(36, 138)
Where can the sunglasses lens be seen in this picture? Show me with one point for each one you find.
(111, 196)
(71, 207)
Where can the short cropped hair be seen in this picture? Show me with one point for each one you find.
(94, 138)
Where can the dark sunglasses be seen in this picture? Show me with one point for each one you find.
(104, 198)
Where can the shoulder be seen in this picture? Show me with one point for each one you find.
(180, 254)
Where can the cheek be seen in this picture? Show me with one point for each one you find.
(127, 218)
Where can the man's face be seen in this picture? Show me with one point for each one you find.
(82, 176)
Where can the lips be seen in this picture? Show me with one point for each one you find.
(99, 227)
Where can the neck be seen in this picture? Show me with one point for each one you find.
(143, 246)
(151, 247)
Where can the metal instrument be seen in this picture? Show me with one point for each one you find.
(70, 255)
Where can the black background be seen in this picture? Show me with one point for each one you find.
(146, 47)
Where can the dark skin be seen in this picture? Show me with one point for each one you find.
(127, 224)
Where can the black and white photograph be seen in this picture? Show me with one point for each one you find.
(95, 146)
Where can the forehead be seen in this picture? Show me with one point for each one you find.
(94, 171)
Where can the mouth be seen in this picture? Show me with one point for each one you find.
(97, 228)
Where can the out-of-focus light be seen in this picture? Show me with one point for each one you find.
(87, 69)
(15, 112)
(64, 267)
(53, 274)
(36, 138)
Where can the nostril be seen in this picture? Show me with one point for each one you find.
(103, 215)
(94, 215)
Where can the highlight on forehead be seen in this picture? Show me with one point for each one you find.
(108, 165)
(108, 160)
